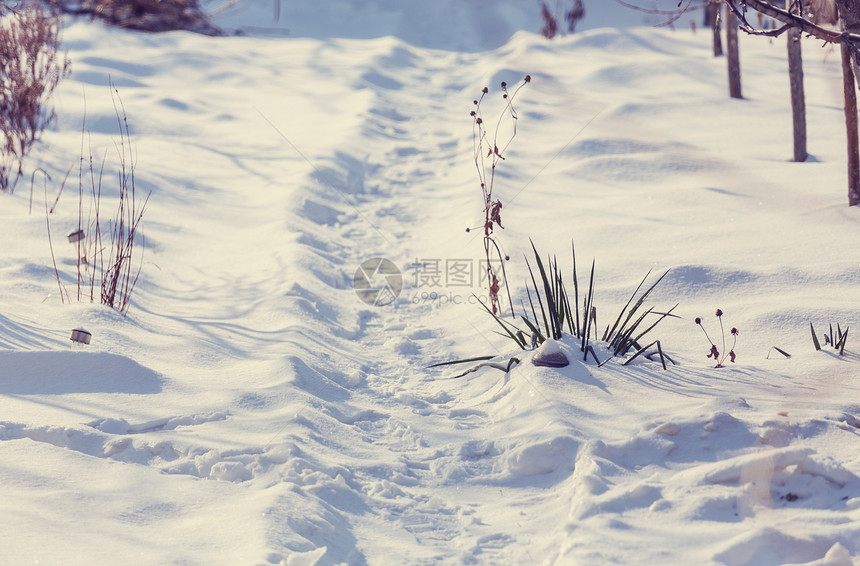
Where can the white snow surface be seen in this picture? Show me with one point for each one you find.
(252, 409)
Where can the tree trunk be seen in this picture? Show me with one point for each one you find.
(851, 127)
(733, 55)
(849, 15)
(712, 19)
(798, 100)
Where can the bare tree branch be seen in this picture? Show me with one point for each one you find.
(673, 15)
(674, 11)
(739, 7)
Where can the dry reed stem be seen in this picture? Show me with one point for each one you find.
(484, 149)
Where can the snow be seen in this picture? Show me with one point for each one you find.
(252, 409)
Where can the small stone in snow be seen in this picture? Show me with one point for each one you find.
(550, 356)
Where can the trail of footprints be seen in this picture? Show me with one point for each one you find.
(119, 440)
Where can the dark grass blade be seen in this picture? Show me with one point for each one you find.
(560, 297)
(505, 368)
(531, 304)
(550, 299)
(668, 357)
(623, 339)
(842, 342)
(781, 351)
(638, 353)
(589, 299)
(660, 352)
(463, 361)
(662, 316)
(638, 303)
(566, 307)
(578, 329)
(594, 320)
(590, 350)
(553, 280)
(504, 326)
(644, 295)
(840, 337)
(540, 302)
(609, 332)
(534, 329)
(815, 341)
(662, 356)
(522, 337)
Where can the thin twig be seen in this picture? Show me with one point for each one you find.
(51, 244)
(57, 200)
(32, 179)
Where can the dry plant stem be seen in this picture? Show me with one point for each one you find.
(91, 242)
(60, 192)
(714, 352)
(95, 242)
(78, 243)
(32, 180)
(51, 245)
(722, 332)
(119, 280)
(92, 258)
(484, 149)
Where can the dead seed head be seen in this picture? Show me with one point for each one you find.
(528, 79)
(479, 121)
(699, 320)
(734, 331)
(504, 85)
(485, 90)
(719, 312)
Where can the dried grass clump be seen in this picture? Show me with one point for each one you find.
(144, 15)
(30, 70)
(108, 260)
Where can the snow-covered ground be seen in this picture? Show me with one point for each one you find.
(251, 408)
